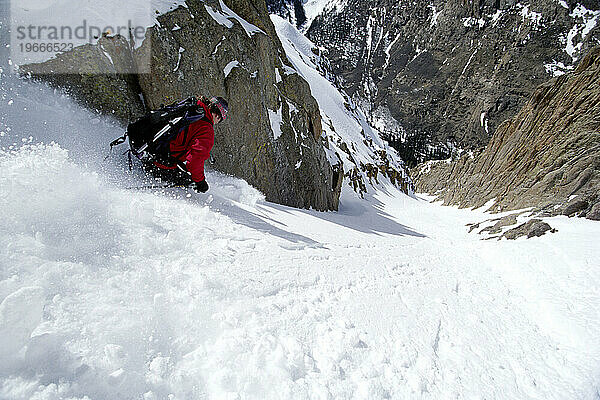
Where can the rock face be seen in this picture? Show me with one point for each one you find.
(449, 71)
(292, 10)
(594, 213)
(108, 85)
(273, 136)
(274, 121)
(547, 156)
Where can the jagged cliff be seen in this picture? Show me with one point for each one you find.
(210, 48)
(547, 156)
(275, 137)
(437, 75)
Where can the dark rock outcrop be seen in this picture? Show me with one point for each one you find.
(532, 228)
(249, 70)
(273, 136)
(594, 213)
(547, 156)
(501, 223)
(575, 207)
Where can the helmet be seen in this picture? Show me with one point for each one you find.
(221, 105)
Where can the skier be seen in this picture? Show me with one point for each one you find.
(192, 145)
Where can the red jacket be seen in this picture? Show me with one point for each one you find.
(193, 144)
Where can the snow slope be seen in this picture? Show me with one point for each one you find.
(112, 293)
(344, 124)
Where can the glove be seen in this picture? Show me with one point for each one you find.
(201, 186)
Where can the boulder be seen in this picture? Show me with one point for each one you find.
(594, 213)
(501, 223)
(574, 207)
(532, 228)
(102, 76)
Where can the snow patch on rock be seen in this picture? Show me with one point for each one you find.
(276, 119)
(229, 67)
(585, 21)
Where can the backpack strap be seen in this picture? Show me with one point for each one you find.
(114, 143)
(118, 141)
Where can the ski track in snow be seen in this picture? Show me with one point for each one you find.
(113, 293)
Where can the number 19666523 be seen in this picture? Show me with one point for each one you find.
(55, 47)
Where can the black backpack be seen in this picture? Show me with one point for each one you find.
(150, 135)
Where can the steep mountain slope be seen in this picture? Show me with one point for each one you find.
(274, 137)
(367, 160)
(448, 73)
(112, 293)
(547, 156)
(208, 48)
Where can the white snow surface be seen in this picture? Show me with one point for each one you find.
(313, 8)
(218, 16)
(527, 14)
(115, 293)
(225, 16)
(434, 15)
(556, 68)
(585, 20)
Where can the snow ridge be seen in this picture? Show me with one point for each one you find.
(350, 136)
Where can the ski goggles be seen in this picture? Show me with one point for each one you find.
(222, 109)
